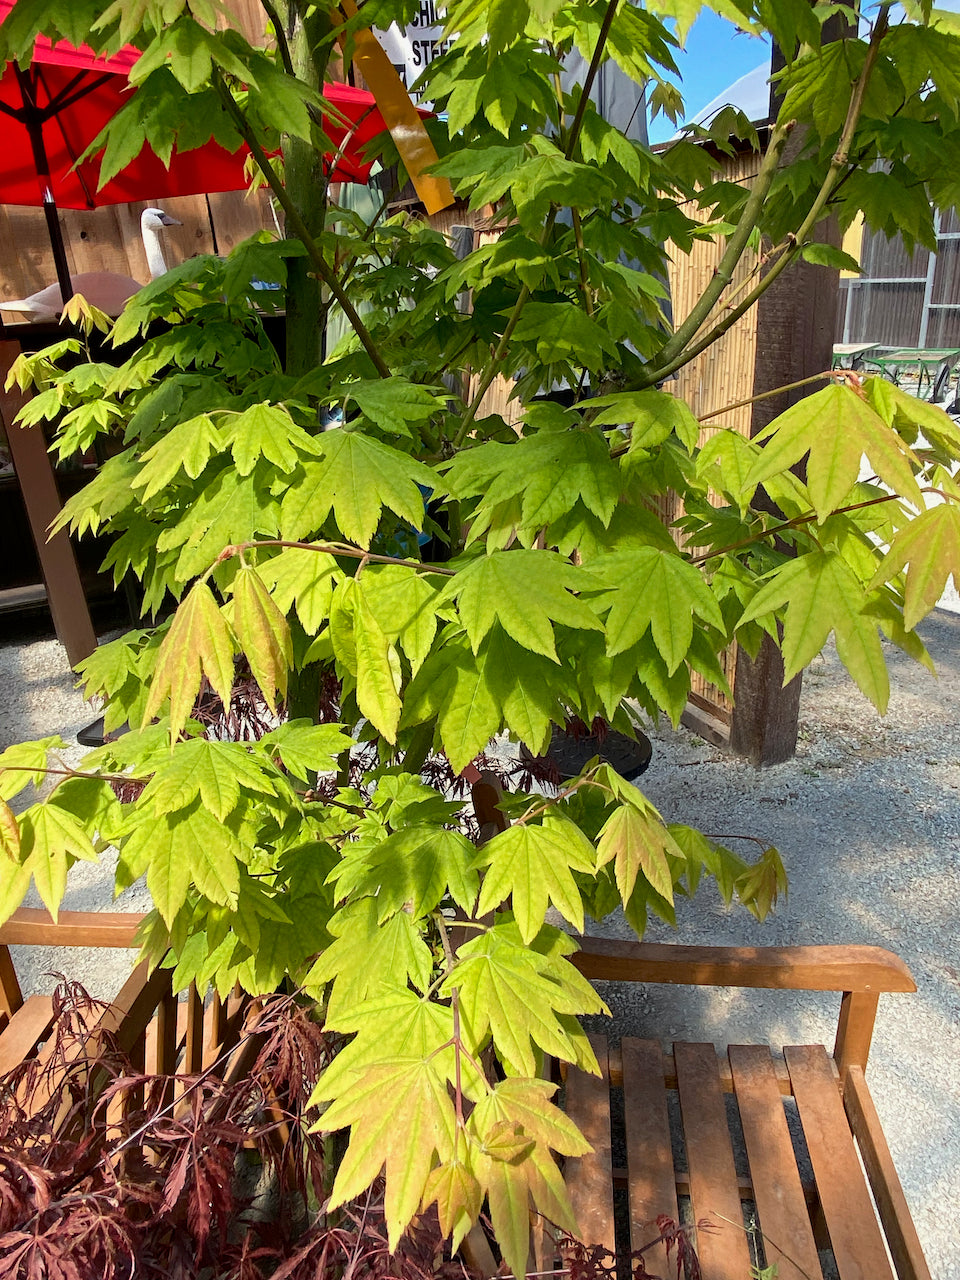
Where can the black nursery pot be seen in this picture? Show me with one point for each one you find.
(570, 752)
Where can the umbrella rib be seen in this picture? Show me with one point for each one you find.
(65, 98)
(57, 106)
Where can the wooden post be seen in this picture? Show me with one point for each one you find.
(858, 1013)
(796, 324)
(28, 451)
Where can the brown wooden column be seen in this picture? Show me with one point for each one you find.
(28, 451)
(796, 324)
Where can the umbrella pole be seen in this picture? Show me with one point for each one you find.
(56, 243)
(32, 118)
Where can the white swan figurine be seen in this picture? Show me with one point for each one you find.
(104, 289)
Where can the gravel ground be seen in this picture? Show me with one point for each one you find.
(867, 817)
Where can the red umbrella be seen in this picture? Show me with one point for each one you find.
(54, 109)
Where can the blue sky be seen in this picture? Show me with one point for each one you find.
(715, 55)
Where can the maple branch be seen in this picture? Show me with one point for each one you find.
(675, 346)
(591, 75)
(673, 356)
(839, 374)
(795, 523)
(299, 227)
(281, 36)
(71, 773)
(709, 835)
(333, 549)
(588, 780)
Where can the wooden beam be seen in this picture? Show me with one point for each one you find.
(33, 927)
(846, 969)
(28, 451)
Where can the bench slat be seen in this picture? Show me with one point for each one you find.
(589, 1178)
(848, 1211)
(27, 1026)
(781, 1206)
(651, 1177)
(723, 1250)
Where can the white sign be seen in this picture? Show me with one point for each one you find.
(415, 46)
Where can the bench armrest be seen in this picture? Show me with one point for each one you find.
(850, 968)
(34, 928)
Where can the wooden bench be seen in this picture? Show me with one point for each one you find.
(785, 1149)
(160, 1033)
(797, 1162)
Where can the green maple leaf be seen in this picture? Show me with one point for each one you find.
(560, 330)
(651, 415)
(823, 594)
(189, 847)
(458, 1196)
(378, 671)
(729, 458)
(51, 839)
(393, 403)
(417, 1126)
(262, 633)
(358, 476)
(303, 579)
(639, 841)
(930, 544)
(214, 771)
(265, 431)
(397, 1023)
(657, 589)
(837, 427)
(9, 834)
(26, 762)
(304, 748)
(520, 996)
(527, 686)
(908, 415)
(404, 603)
(534, 863)
(231, 509)
(454, 687)
(365, 954)
(199, 643)
(413, 869)
(93, 801)
(188, 446)
(525, 591)
(522, 1109)
(551, 471)
(14, 882)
